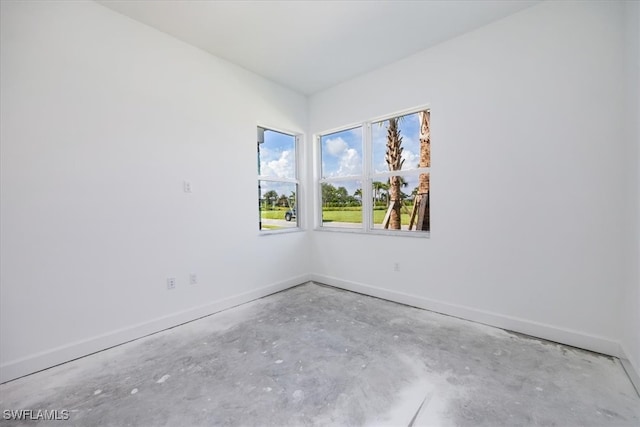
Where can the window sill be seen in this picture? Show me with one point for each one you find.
(282, 231)
(375, 232)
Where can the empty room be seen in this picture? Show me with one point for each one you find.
(287, 213)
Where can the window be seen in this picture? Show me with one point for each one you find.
(277, 180)
(376, 177)
(341, 181)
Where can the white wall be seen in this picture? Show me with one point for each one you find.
(528, 188)
(102, 120)
(534, 221)
(631, 297)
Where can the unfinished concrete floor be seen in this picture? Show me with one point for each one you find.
(314, 355)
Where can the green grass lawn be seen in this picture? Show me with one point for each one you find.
(347, 215)
(274, 214)
(342, 216)
(356, 216)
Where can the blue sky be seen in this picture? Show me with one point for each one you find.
(277, 160)
(342, 151)
(409, 126)
(277, 155)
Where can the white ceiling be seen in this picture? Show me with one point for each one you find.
(309, 46)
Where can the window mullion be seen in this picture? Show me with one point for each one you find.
(367, 196)
(318, 185)
(408, 172)
(340, 179)
(276, 179)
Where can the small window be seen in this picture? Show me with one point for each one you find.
(376, 176)
(277, 180)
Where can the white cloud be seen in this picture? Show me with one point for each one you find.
(411, 159)
(281, 167)
(350, 163)
(348, 159)
(336, 146)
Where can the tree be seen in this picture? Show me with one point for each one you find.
(394, 160)
(425, 162)
(283, 201)
(358, 195)
(270, 198)
(377, 186)
(328, 194)
(342, 195)
(381, 191)
(384, 193)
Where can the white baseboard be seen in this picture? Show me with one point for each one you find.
(632, 370)
(65, 353)
(528, 327)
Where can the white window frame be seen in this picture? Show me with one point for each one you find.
(295, 181)
(321, 180)
(367, 178)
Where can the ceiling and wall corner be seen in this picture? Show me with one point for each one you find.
(103, 118)
(313, 45)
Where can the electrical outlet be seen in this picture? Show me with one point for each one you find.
(171, 283)
(187, 187)
(193, 279)
(396, 266)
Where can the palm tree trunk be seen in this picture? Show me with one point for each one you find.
(394, 197)
(422, 198)
(394, 161)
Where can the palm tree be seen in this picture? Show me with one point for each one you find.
(377, 186)
(425, 162)
(394, 160)
(358, 194)
(384, 193)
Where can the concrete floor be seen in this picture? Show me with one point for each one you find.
(315, 355)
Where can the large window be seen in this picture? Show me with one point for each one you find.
(375, 177)
(277, 180)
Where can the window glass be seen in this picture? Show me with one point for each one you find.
(277, 155)
(401, 215)
(277, 180)
(408, 130)
(342, 204)
(278, 207)
(341, 153)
